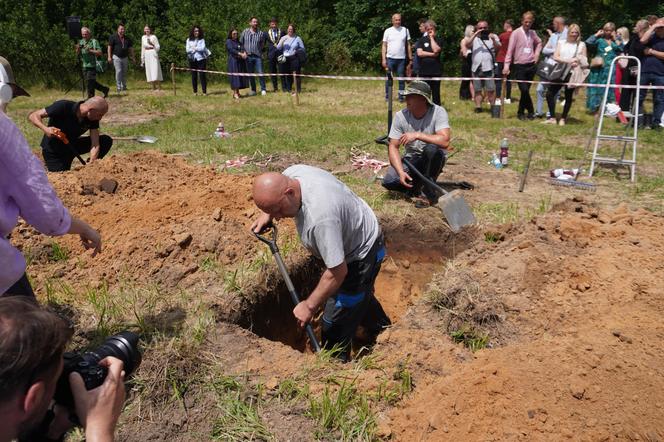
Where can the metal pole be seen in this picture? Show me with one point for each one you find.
(173, 77)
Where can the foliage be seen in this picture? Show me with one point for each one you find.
(36, 42)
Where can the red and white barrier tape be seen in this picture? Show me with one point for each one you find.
(374, 78)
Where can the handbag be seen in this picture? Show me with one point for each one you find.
(551, 70)
(597, 62)
(281, 59)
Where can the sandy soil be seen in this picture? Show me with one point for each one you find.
(572, 302)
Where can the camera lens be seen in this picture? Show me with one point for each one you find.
(123, 346)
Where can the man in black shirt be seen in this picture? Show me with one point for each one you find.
(119, 47)
(428, 49)
(68, 120)
(274, 34)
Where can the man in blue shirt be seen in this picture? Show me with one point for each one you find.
(253, 41)
(652, 70)
(559, 33)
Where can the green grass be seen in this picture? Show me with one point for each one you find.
(470, 338)
(58, 252)
(343, 413)
(333, 117)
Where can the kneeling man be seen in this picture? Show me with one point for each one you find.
(424, 129)
(67, 121)
(341, 229)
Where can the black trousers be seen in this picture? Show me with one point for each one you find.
(91, 83)
(551, 93)
(355, 304)
(430, 163)
(59, 159)
(21, 287)
(200, 64)
(626, 94)
(276, 68)
(435, 89)
(292, 65)
(525, 72)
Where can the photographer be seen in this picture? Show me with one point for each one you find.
(484, 56)
(26, 192)
(32, 342)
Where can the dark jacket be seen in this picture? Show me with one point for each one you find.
(272, 51)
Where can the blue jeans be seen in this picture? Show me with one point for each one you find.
(647, 79)
(398, 67)
(541, 99)
(255, 65)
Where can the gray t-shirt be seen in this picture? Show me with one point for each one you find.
(483, 54)
(333, 223)
(434, 120)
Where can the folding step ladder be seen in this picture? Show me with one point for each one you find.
(625, 139)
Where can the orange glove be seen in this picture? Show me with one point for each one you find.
(60, 135)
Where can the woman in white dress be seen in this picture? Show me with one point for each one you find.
(150, 58)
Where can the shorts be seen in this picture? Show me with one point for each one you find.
(483, 79)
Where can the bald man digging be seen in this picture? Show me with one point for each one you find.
(338, 227)
(67, 121)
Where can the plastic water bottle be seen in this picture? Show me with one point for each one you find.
(504, 154)
(219, 131)
(496, 161)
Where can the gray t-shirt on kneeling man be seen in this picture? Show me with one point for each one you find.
(333, 223)
(434, 120)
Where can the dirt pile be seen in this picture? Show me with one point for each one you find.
(581, 291)
(161, 223)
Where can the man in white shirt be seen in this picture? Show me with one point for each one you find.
(559, 33)
(396, 52)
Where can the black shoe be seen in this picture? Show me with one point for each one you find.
(521, 117)
(106, 92)
(478, 110)
(531, 117)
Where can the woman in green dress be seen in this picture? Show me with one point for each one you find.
(607, 49)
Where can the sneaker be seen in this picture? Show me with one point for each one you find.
(535, 116)
(561, 122)
(478, 110)
(498, 102)
(252, 93)
(508, 101)
(532, 117)
(263, 92)
(549, 121)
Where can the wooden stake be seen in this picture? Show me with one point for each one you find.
(297, 95)
(173, 77)
(502, 97)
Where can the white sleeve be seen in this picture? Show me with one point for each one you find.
(385, 35)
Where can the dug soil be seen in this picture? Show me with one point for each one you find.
(567, 306)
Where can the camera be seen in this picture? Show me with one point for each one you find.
(123, 346)
(484, 35)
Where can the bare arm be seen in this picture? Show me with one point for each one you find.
(36, 118)
(395, 161)
(110, 53)
(94, 143)
(654, 53)
(329, 283)
(440, 138)
(409, 53)
(383, 55)
(647, 35)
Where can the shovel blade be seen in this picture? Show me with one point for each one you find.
(146, 139)
(456, 210)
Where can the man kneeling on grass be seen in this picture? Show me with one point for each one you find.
(424, 129)
(341, 229)
(68, 120)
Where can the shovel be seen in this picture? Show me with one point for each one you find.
(272, 243)
(455, 209)
(140, 138)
